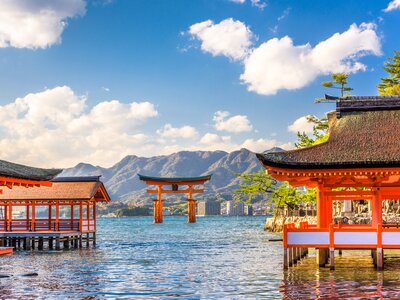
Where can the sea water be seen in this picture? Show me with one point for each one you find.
(217, 257)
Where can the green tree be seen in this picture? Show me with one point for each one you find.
(390, 85)
(320, 133)
(258, 183)
(290, 197)
(339, 81)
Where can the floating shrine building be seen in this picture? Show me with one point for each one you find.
(56, 211)
(360, 161)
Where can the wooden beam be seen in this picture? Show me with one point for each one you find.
(179, 183)
(187, 191)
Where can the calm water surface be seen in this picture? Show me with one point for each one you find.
(218, 257)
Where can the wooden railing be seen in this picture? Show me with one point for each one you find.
(341, 236)
(46, 225)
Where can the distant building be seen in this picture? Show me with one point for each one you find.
(208, 208)
(248, 210)
(234, 208)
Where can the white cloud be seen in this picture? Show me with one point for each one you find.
(284, 14)
(279, 64)
(393, 5)
(258, 3)
(35, 24)
(301, 125)
(55, 128)
(185, 132)
(229, 38)
(235, 124)
(212, 141)
(258, 145)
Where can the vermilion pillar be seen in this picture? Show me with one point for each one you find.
(191, 211)
(158, 207)
(321, 208)
(377, 208)
(191, 207)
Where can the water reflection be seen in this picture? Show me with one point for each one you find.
(354, 277)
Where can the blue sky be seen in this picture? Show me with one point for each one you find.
(96, 80)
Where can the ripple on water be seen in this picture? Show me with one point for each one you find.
(218, 257)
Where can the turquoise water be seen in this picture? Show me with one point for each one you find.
(218, 257)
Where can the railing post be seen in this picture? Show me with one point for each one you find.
(379, 250)
(332, 246)
(285, 249)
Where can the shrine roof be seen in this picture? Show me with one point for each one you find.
(364, 132)
(175, 179)
(61, 189)
(12, 170)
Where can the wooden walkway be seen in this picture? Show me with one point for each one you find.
(41, 240)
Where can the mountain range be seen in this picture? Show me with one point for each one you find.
(123, 184)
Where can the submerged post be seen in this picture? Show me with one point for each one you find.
(379, 250)
(191, 211)
(191, 207)
(331, 247)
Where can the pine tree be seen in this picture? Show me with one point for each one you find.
(390, 85)
(339, 81)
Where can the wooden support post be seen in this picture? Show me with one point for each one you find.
(322, 256)
(40, 243)
(33, 215)
(5, 217)
(27, 217)
(88, 215)
(25, 243)
(191, 206)
(294, 256)
(76, 242)
(332, 246)
(290, 257)
(379, 250)
(58, 246)
(28, 243)
(285, 248)
(72, 216)
(80, 217)
(332, 258)
(33, 240)
(94, 218)
(80, 240)
(51, 243)
(379, 259)
(377, 208)
(50, 216)
(94, 238)
(57, 227)
(158, 207)
(10, 216)
(285, 259)
(87, 240)
(66, 242)
(321, 207)
(191, 211)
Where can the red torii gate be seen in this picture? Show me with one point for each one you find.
(174, 182)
